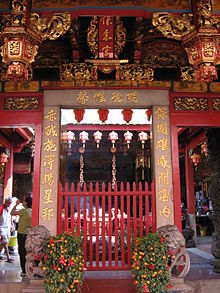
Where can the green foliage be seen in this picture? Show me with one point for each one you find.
(149, 264)
(63, 263)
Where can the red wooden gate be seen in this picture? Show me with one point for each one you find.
(110, 220)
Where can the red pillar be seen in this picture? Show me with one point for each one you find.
(189, 173)
(8, 184)
(176, 177)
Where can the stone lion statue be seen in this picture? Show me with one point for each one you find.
(35, 243)
(180, 261)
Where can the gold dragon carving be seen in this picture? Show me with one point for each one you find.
(173, 26)
(216, 104)
(206, 19)
(76, 71)
(21, 103)
(190, 104)
(136, 72)
(188, 73)
(176, 26)
(120, 37)
(92, 36)
(50, 27)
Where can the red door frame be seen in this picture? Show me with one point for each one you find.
(24, 118)
(180, 118)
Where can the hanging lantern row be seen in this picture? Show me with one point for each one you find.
(195, 159)
(79, 114)
(69, 136)
(3, 158)
(84, 136)
(127, 115)
(113, 136)
(128, 137)
(143, 137)
(204, 149)
(97, 136)
(149, 113)
(103, 114)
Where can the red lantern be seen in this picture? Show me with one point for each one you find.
(79, 114)
(143, 137)
(103, 114)
(64, 136)
(204, 149)
(149, 113)
(84, 136)
(127, 115)
(70, 136)
(195, 159)
(97, 136)
(128, 137)
(113, 136)
(3, 158)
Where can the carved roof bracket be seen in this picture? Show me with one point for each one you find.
(22, 33)
(201, 44)
(173, 26)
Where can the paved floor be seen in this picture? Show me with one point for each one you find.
(200, 266)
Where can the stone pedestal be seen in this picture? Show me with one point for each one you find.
(36, 286)
(215, 262)
(178, 285)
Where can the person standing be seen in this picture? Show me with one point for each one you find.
(24, 224)
(6, 225)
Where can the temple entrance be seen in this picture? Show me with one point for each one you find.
(17, 146)
(106, 191)
(196, 203)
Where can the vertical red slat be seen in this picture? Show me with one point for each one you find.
(134, 211)
(140, 210)
(84, 222)
(103, 224)
(72, 207)
(78, 209)
(128, 224)
(153, 207)
(122, 225)
(97, 224)
(146, 208)
(90, 226)
(110, 226)
(116, 225)
(66, 225)
(59, 208)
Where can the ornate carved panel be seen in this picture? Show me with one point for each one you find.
(21, 103)
(216, 104)
(164, 53)
(153, 4)
(190, 104)
(5, 4)
(216, 6)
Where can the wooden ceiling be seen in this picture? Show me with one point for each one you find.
(166, 56)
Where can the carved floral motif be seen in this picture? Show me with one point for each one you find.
(190, 104)
(216, 104)
(21, 103)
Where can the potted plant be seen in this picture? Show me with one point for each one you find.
(149, 264)
(63, 263)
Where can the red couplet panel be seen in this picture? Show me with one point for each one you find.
(110, 220)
